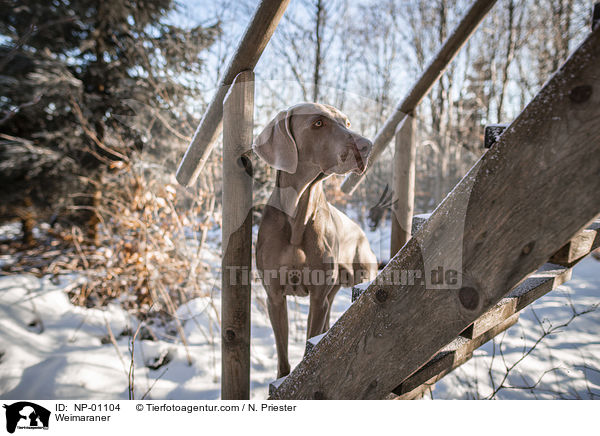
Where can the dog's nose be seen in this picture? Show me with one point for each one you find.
(364, 146)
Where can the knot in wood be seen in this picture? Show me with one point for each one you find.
(528, 248)
(319, 395)
(245, 163)
(580, 94)
(381, 295)
(229, 335)
(469, 298)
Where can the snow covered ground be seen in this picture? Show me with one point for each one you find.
(50, 349)
(564, 365)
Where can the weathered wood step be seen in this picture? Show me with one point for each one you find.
(580, 246)
(501, 316)
(489, 325)
(547, 278)
(450, 357)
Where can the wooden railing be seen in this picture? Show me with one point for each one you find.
(255, 39)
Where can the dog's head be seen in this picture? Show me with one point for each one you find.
(315, 134)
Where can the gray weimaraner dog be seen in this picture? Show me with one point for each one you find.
(306, 247)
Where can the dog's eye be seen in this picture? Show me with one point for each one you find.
(318, 123)
(347, 123)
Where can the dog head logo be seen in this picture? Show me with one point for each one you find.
(26, 415)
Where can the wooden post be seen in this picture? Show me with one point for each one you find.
(403, 185)
(238, 108)
(431, 75)
(515, 208)
(255, 39)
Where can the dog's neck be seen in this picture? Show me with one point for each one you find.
(299, 196)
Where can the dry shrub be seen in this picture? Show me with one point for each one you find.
(150, 235)
(147, 248)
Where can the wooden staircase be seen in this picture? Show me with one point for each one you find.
(493, 322)
(502, 316)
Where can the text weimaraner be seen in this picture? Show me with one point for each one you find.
(307, 247)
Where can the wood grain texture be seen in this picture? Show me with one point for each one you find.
(547, 278)
(237, 238)
(403, 184)
(255, 39)
(515, 208)
(449, 358)
(544, 280)
(434, 71)
(578, 247)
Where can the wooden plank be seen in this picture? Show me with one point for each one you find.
(255, 39)
(487, 326)
(434, 71)
(415, 394)
(237, 239)
(403, 184)
(504, 309)
(455, 354)
(547, 278)
(580, 246)
(507, 216)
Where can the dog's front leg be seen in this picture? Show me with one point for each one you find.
(317, 313)
(330, 298)
(277, 306)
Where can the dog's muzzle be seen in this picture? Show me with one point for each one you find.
(361, 150)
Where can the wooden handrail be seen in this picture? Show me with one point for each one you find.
(255, 39)
(436, 68)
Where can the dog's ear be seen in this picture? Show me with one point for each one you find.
(276, 145)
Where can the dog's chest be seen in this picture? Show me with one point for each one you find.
(277, 256)
(314, 250)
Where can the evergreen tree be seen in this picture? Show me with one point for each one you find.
(72, 74)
